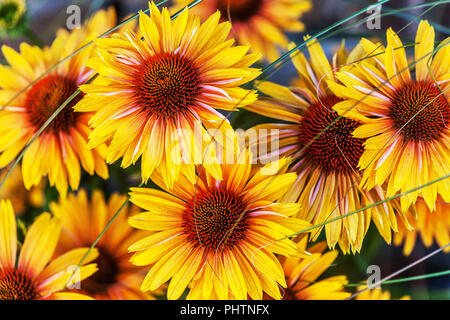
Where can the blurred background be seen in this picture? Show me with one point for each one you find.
(46, 16)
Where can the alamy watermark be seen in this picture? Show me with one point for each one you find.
(374, 20)
(74, 280)
(374, 280)
(73, 20)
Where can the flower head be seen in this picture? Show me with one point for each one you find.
(62, 149)
(324, 153)
(155, 97)
(218, 237)
(404, 118)
(32, 276)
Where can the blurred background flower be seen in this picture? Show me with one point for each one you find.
(12, 14)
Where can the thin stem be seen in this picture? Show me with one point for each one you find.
(406, 16)
(402, 280)
(39, 132)
(363, 209)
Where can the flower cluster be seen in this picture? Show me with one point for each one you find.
(357, 139)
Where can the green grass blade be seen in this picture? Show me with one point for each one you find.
(408, 279)
(333, 26)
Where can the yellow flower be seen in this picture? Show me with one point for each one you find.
(430, 225)
(62, 148)
(20, 197)
(406, 121)
(327, 182)
(218, 237)
(153, 97)
(32, 277)
(260, 23)
(376, 294)
(302, 273)
(82, 222)
(11, 12)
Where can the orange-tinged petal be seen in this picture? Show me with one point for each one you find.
(39, 245)
(8, 235)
